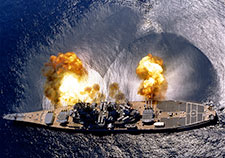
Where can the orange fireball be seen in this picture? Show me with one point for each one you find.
(150, 70)
(66, 80)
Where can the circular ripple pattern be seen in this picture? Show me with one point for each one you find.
(111, 37)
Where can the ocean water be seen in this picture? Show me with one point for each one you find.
(111, 37)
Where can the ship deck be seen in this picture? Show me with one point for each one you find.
(174, 115)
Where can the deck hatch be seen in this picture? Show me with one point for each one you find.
(168, 106)
(188, 119)
(200, 108)
(188, 107)
(194, 107)
(193, 119)
(199, 117)
(181, 122)
(171, 122)
(183, 107)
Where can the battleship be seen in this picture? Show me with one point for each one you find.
(157, 116)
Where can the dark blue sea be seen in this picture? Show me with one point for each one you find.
(111, 37)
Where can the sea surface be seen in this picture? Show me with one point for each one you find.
(111, 37)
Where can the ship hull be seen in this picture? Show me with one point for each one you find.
(175, 116)
(131, 131)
